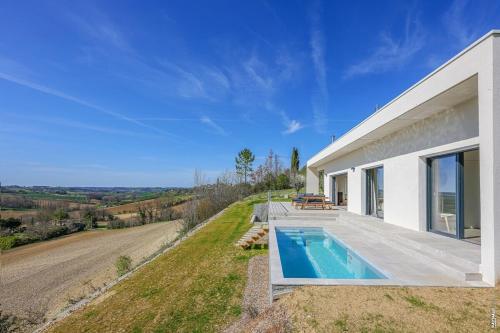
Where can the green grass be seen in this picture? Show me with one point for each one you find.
(196, 287)
(123, 265)
(419, 302)
(7, 242)
(52, 196)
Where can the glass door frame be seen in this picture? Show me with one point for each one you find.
(459, 199)
(370, 173)
(333, 194)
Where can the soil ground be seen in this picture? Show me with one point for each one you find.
(37, 280)
(382, 309)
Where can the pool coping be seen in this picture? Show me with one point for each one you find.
(377, 270)
(276, 270)
(278, 282)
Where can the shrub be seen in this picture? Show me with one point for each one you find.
(23, 238)
(10, 223)
(120, 224)
(211, 199)
(123, 265)
(60, 214)
(56, 231)
(7, 242)
(116, 224)
(75, 227)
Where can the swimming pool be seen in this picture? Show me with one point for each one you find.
(313, 253)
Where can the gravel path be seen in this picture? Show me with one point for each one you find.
(37, 280)
(256, 297)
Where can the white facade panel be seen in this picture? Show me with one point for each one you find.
(429, 119)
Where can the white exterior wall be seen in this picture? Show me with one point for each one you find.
(404, 168)
(489, 160)
(402, 155)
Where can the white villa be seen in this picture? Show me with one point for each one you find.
(429, 160)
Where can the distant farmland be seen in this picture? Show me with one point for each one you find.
(177, 203)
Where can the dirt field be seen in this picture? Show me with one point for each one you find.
(132, 207)
(18, 213)
(38, 280)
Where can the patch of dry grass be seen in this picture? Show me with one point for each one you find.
(196, 287)
(390, 309)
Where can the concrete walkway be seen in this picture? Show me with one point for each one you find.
(405, 256)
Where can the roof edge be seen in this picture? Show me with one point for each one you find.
(492, 32)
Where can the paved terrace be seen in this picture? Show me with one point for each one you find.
(405, 256)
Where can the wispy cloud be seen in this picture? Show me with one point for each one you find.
(257, 71)
(244, 77)
(458, 24)
(293, 126)
(256, 81)
(57, 93)
(100, 28)
(214, 126)
(392, 53)
(185, 80)
(96, 128)
(318, 51)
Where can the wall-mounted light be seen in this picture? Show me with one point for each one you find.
(352, 169)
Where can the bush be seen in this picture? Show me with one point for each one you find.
(120, 224)
(10, 223)
(7, 242)
(60, 214)
(75, 227)
(123, 265)
(116, 224)
(211, 199)
(56, 231)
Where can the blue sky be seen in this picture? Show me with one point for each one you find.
(141, 93)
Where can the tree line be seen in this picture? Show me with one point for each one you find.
(272, 174)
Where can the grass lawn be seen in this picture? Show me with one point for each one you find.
(196, 287)
(391, 309)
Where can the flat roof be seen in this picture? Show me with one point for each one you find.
(318, 157)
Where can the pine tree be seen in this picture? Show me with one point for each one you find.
(294, 162)
(244, 162)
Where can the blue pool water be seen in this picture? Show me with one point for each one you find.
(313, 253)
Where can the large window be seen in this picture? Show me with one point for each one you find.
(444, 194)
(375, 192)
(453, 195)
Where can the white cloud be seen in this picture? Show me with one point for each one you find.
(392, 53)
(293, 126)
(457, 23)
(62, 95)
(454, 23)
(258, 72)
(318, 51)
(99, 28)
(189, 84)
(215, 127)
(186, 80)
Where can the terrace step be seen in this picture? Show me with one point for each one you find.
(255, 235)
(473, 277)
(277, 291)
(318, 217)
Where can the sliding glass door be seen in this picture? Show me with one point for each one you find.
(375, 192)
(453, 195)
(333, 192)
(444, 194)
